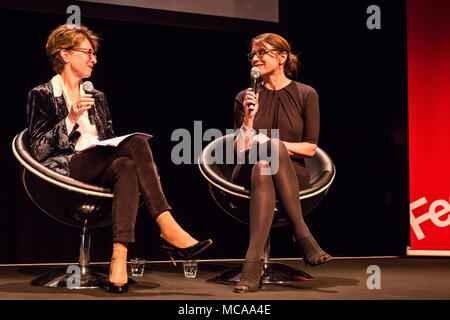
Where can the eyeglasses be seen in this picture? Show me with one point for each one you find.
(89, 52)
(260, 53)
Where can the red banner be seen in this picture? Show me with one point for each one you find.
(428, 29)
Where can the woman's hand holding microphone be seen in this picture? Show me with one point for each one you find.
(84, 103)
(248, 134)
(251, 98)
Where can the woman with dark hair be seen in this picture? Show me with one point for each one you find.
(59, 132)
(293, 109)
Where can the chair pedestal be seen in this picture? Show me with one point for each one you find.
(71, 278)
(80, 276)
(273, 272)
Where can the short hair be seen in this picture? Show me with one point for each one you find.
(279, 43)
(66, 37)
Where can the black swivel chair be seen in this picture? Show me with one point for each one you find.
(235, 200)
(74, 203)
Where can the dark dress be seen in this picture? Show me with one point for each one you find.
(294, 111)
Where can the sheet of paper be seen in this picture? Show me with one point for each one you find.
(114, 142)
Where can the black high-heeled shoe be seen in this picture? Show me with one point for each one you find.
(185, 253)
(118, 270)
(311, 252)
(112, 288)
(251, 279)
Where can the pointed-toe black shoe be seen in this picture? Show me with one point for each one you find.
(186, 253)
(112, 288)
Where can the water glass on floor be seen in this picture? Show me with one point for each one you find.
(137, 267)
(190, 268)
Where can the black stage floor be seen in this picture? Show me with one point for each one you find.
(402, 278)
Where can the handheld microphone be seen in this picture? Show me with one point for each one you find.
(88, 88)
(254, 75)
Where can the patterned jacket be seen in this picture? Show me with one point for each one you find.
(49, 140)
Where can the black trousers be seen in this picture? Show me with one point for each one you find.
(129, 169)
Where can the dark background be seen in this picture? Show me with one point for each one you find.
(162, 71)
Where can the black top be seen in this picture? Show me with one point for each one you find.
(294, 110)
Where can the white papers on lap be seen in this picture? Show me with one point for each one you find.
(114, 142)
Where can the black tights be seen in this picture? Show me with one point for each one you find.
(129, 169)
(264, 190)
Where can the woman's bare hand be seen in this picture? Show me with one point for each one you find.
(83, 104)
(250, 98)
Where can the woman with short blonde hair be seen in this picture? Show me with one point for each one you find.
(60, 133)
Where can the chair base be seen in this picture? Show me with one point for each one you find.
(75, 278)
(273, 273)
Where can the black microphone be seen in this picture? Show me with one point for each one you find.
(88, 88)
(254, 75)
